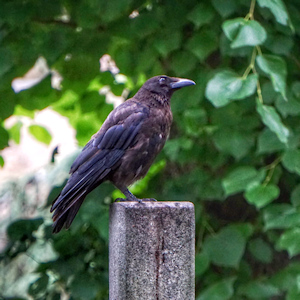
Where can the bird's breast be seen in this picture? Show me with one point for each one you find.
(150, 140)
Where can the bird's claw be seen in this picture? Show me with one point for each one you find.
(136, 199)
(149, 199)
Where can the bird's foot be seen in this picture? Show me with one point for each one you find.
(135, 199)
(149, 199)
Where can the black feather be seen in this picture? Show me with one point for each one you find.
(123, 149)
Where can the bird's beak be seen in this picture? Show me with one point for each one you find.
(181, 82)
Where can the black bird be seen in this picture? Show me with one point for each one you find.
(124, 148)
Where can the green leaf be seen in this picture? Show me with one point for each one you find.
(275, 67)
(23, 229)
(221, 290)
(261, 250)
(201, 263)
(84, 287)
(286, 278)
(39, 287)
(244, 33)
(172, 149)
(7, 103)
(1, 161)
(201, 14)
(182, 62)
(261, 195)
(280, 44)
(6, 60)
(258, 290)
(239, 179)
(291, 160)
(290, 241)
(15, 132)
(281, 216)
(293, 291)
(193, 120)
(268, 142)
(250, 34)
(4, 136)
(233, 142)
(295, 197)
(246, 229)
(227, 85)
(232, 27)
(225, 248)
(272, 120)
(288, 108)
(202, 44)
(225, 8)
(110, 10)
(167, 42)
(278, 9)
(40, 133)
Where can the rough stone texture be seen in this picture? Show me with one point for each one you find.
(152, 251)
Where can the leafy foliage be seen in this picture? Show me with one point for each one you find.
(233, 151)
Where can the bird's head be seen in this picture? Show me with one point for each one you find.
(163, 86)
(163, 83)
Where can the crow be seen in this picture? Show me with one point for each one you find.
(124, 148)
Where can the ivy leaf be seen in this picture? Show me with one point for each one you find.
(167, 42)
(201, 263)
(84, 287)
(268, 142)
(6, 61)
(279, 11)
(231, 27)
(291, 160)
(225, 8)
(39, 287)
(3, 138)
(275, 67)
(261, 250)
(244, 33)
(202, 44)
(221, 290)
(261, 195)
(236, 143)
(288, 108)
(15, 132)
(251, 34)
(272, 120)
(23, 228)
(40, 133)
(281, 216)
(201, 14)
(225, 248)
(1, 161)
(228, 85)
(290, 241)
(239, 179)
(295, 197)
(182, 62)
(258, 290)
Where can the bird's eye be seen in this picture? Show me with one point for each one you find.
(162, 80)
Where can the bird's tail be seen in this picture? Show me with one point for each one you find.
(64, 218)
(67, 204)
(82, 181)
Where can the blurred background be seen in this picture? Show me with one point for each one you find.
(233, 149)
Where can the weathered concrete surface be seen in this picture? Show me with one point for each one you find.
(152, 251)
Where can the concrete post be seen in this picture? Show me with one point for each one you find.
(152, 251)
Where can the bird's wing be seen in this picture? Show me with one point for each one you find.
(99, 157)
(116, 135)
